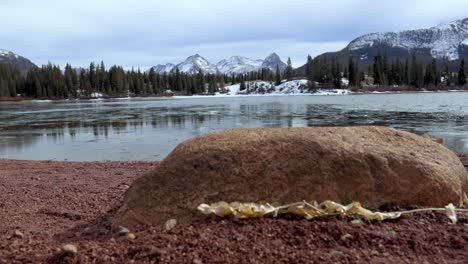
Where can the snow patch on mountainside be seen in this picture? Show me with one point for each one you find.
(443, 40)
(238, 65)
(3, 52)
(7, 53)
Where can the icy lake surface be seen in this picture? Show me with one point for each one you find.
(148, 129)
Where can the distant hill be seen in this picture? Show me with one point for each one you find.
(9, 57)
(448, 42)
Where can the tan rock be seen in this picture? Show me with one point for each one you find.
(70, 248)
(170, 224)
(373, 165)
(357, 222)
(18, 234)
(131, 236)
(346, 237)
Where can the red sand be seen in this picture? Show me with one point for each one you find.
(54, 203)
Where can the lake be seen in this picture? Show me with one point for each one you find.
(148, 129)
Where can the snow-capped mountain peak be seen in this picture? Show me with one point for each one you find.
(7, 53)
(195, 64)
(20, 62)
(234, 65)
(443, 40)
(238, 65)
(272, 60)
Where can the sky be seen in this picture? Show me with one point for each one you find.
(143, 33)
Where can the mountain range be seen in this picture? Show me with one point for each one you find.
(233, 65)
(448, 42)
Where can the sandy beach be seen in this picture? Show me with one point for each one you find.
(46, 204)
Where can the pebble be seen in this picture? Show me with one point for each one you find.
(346, 237)
(170, 224)
(336, 254)
(18, 234)
(131, 236)
(70, 248)
(357, 222)
(122, 231)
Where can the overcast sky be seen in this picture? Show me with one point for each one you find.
(142, 33)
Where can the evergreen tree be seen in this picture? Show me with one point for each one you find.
(200, 82)
(380, 70)
(289, 70)
(448, 80)
(212, 86)
(430, 75)
(352, 72)
(68, 79)
(242, 85)
(92, 76)
(435, 72)
(461, 73)
(278, 75)
(153, 81)
(416, 72)
(310, 69)
(102, 76)
(407, 73)
(385, 69)
(4, 92)
(377, 70)
(399, 72)
(37, 87)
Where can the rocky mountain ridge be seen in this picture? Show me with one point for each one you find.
(8, 57)
(234, 65)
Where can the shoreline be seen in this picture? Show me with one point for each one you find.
(52, 203)
(322, 92)
(463, 157)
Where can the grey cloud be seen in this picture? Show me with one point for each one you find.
(143, 33)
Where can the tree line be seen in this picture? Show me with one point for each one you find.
(51, 82)
(383, 72)
(413, 72)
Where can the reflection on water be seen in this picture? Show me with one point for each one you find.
(150, 129)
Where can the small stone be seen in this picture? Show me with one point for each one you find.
(122, 231)
(70, 248)
(131, 236)
(18, 234)
(170, 224)
(197, 261)
(336, 254)
(346, 237)
(357, 222)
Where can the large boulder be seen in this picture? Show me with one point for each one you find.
(374, 165)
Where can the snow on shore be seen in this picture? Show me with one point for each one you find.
(295, 87)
